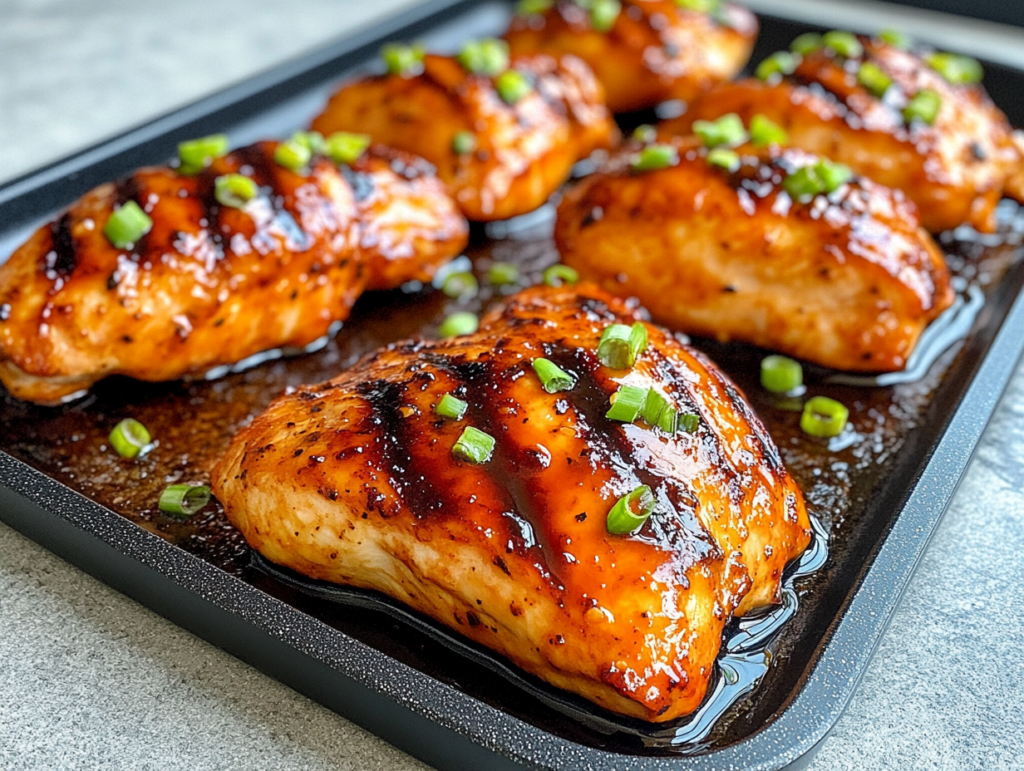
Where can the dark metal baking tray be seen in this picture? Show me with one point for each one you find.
(880, 494)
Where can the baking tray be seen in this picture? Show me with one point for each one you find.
(880, 492)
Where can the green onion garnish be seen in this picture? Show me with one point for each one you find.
(626, 403)
(533, 7)
(129, 437)
(343, 147)
(924, 106)
(824, 417)
(654, 157)
(724, 158)
(450, 407)
(896, 38)
(460, 323)
(654, 405)
(313, 140)
(688, 422)
(631, 511)
(461, 284)
(512, 86)
(806, 43)
(292, 154)
(473, 445)
(484, 57)
(727, 130)
(552, 377)
(620, 345)
(234, 190)
(645, 133)
(668, 420)
(764, 131)
(127, 225)
(821, 177)
(833, 175)
(603, 14)
(843, 43)
(463, 143)
(700, 6)
(871, 76)
(184, 500)
(402, 59)
(780, 374)
(197, 154)
(502, 274)
(956, 68)
(557, 275)
(779, 63)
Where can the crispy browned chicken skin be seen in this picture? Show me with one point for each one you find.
(956, 170)
(847, 280)
(354, 481)
(655, 50)
(523, 151)
(211, 284)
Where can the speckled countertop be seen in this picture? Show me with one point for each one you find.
(89, 679)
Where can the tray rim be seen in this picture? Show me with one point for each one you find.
(213, 593)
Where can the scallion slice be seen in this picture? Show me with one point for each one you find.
(183, 500)
(689, 422)
(463, 143)
(461, 284)
(833, 175)
(626, 403)
(502, 274)
(313, 140)
(129, 437)
(557, 275)
(923, 106)
(806, 43)
(234, 190)
(843, 43)
(552, 377)
(824, 417)
(451, 407)
(293, 155)
(668, 421)
(778, 64)
(402, 59)
(956, 68)
(781, 374)
(533, 7)
(512, 86)
(873, 78)
(603, 14)
(700, 6)
(484, 57)
(645, 133)
(896, 38)
(460, 323)
(822, 177)
(620, 345)
(764, 131)
(654, 405)
(127, 225)
(631, 511)
(724, 158)
(196, 154)
(473, 445)
(344, 147)
(654, 157)
(727, 130)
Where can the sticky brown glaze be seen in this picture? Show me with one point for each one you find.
(209, 284)
(847, 281)
(654, 51)
(524, 152)
(354, 481)
(956, 170)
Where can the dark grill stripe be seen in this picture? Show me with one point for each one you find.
(64, 248)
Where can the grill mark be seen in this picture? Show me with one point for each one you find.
(64, 248)
(266, 173)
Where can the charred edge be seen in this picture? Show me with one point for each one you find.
(65, 251)
(361, 182)
(818, 89)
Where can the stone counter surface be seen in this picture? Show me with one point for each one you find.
(89, 679)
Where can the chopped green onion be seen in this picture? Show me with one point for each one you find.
(603, 14)
(620, 346)
(873, 78)
(402, 59)
(512, 86)
(779, 63)
(451, 407)
(956, 68)
(645, 133)
(552, 377)
(343, 147)
(806, 43)
(668, 421)
(654, 157)
(234, 190)
(184, 500)
(688, 422)
(533, 7)
(473, 445)
(313, 140)
(557, 275)
(727, 130)
(764, 131)
(780, 374)
(129, 437)
(833, 175)
(463, 143)
(461, 284)
(843, 43)
(924, 106)
(292, 155)
(896, 38)
(654, 405)
(824, 417)
(197, 154)
(502, 274)
(724, 158)
(488, 56)
(631, 511)
(700, 6)
(821, 177)
(626, 403)
(127, 225)
(460, 323)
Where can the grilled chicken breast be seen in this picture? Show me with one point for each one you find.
(516, 153)
(847, 280)
(212, 284)
(354, 481)
(955, 169)
(650, 52)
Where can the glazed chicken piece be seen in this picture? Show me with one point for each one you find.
(212, 284)
(848, 279)
(355, 481)
(955, 168)
(500, 157)
(649, 52)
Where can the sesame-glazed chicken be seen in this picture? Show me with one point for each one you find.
(918, 122)
(500, 514)
(503, 134)
(643, 51)
(769, 246)
(165, 273)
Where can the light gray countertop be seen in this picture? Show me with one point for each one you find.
(89, 679)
